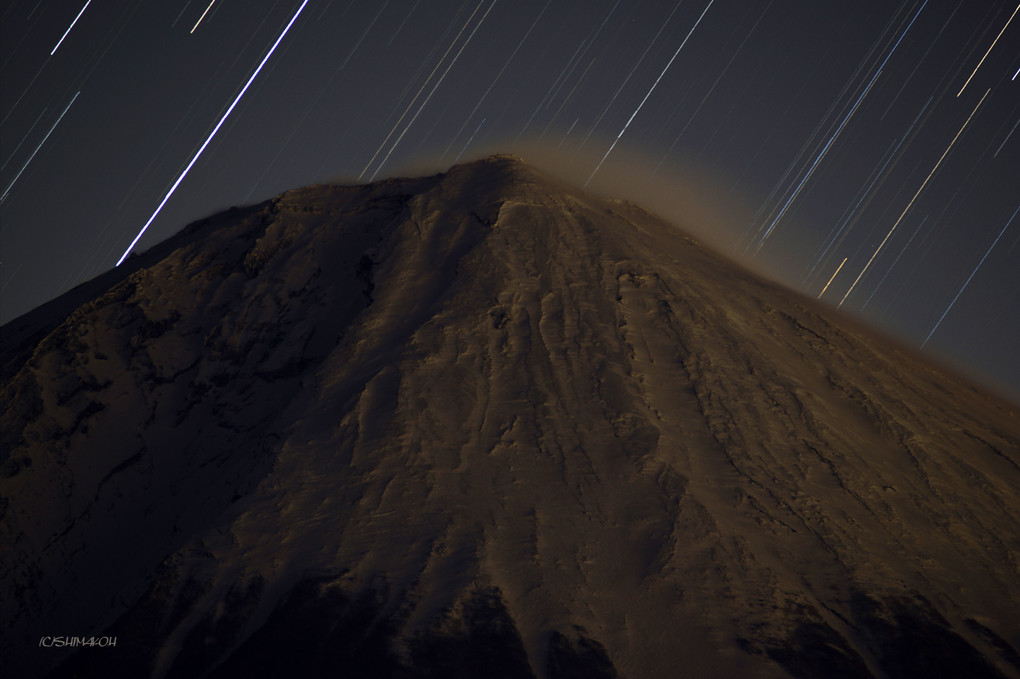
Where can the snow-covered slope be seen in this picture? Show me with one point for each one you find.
(483, 424)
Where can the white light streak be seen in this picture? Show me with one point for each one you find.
(470, 139)
(406, 17)
(848, 217)
(180, 14)
(23, 139)
(814, 165)
(733, 57)
(11, 277)
(567, 98)
(434, 88)
(580, 53)
(907, 209)
(989, 50)
(920, 61)
(990, 247)
(597, 167)
(33, 10)
(498, 75)
(631, 73)
(895, 261)
(308, 109)
(213, 133)
(994, 155)
(567, 135)
(9, 186)
(1015, 75)
(840, 129)
(552, 88)
(360, 39)
(833, 278)
(202, 17)
(420, 90)
(70, 27)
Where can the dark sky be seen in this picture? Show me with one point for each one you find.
(876, 138)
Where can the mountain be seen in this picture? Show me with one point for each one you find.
(485, 424)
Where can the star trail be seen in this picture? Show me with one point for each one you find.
(3, 196)
(648, 94)
(57, 46)
(212, 134)
(863, 153)
(914, 198)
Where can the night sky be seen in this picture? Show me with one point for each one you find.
(874, 140)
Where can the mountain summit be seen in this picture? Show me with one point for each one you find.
(484, 424)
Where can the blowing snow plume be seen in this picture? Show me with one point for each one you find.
(483, 424)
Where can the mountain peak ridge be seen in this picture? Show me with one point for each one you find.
(483, 419)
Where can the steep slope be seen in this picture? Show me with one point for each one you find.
(482, 424)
